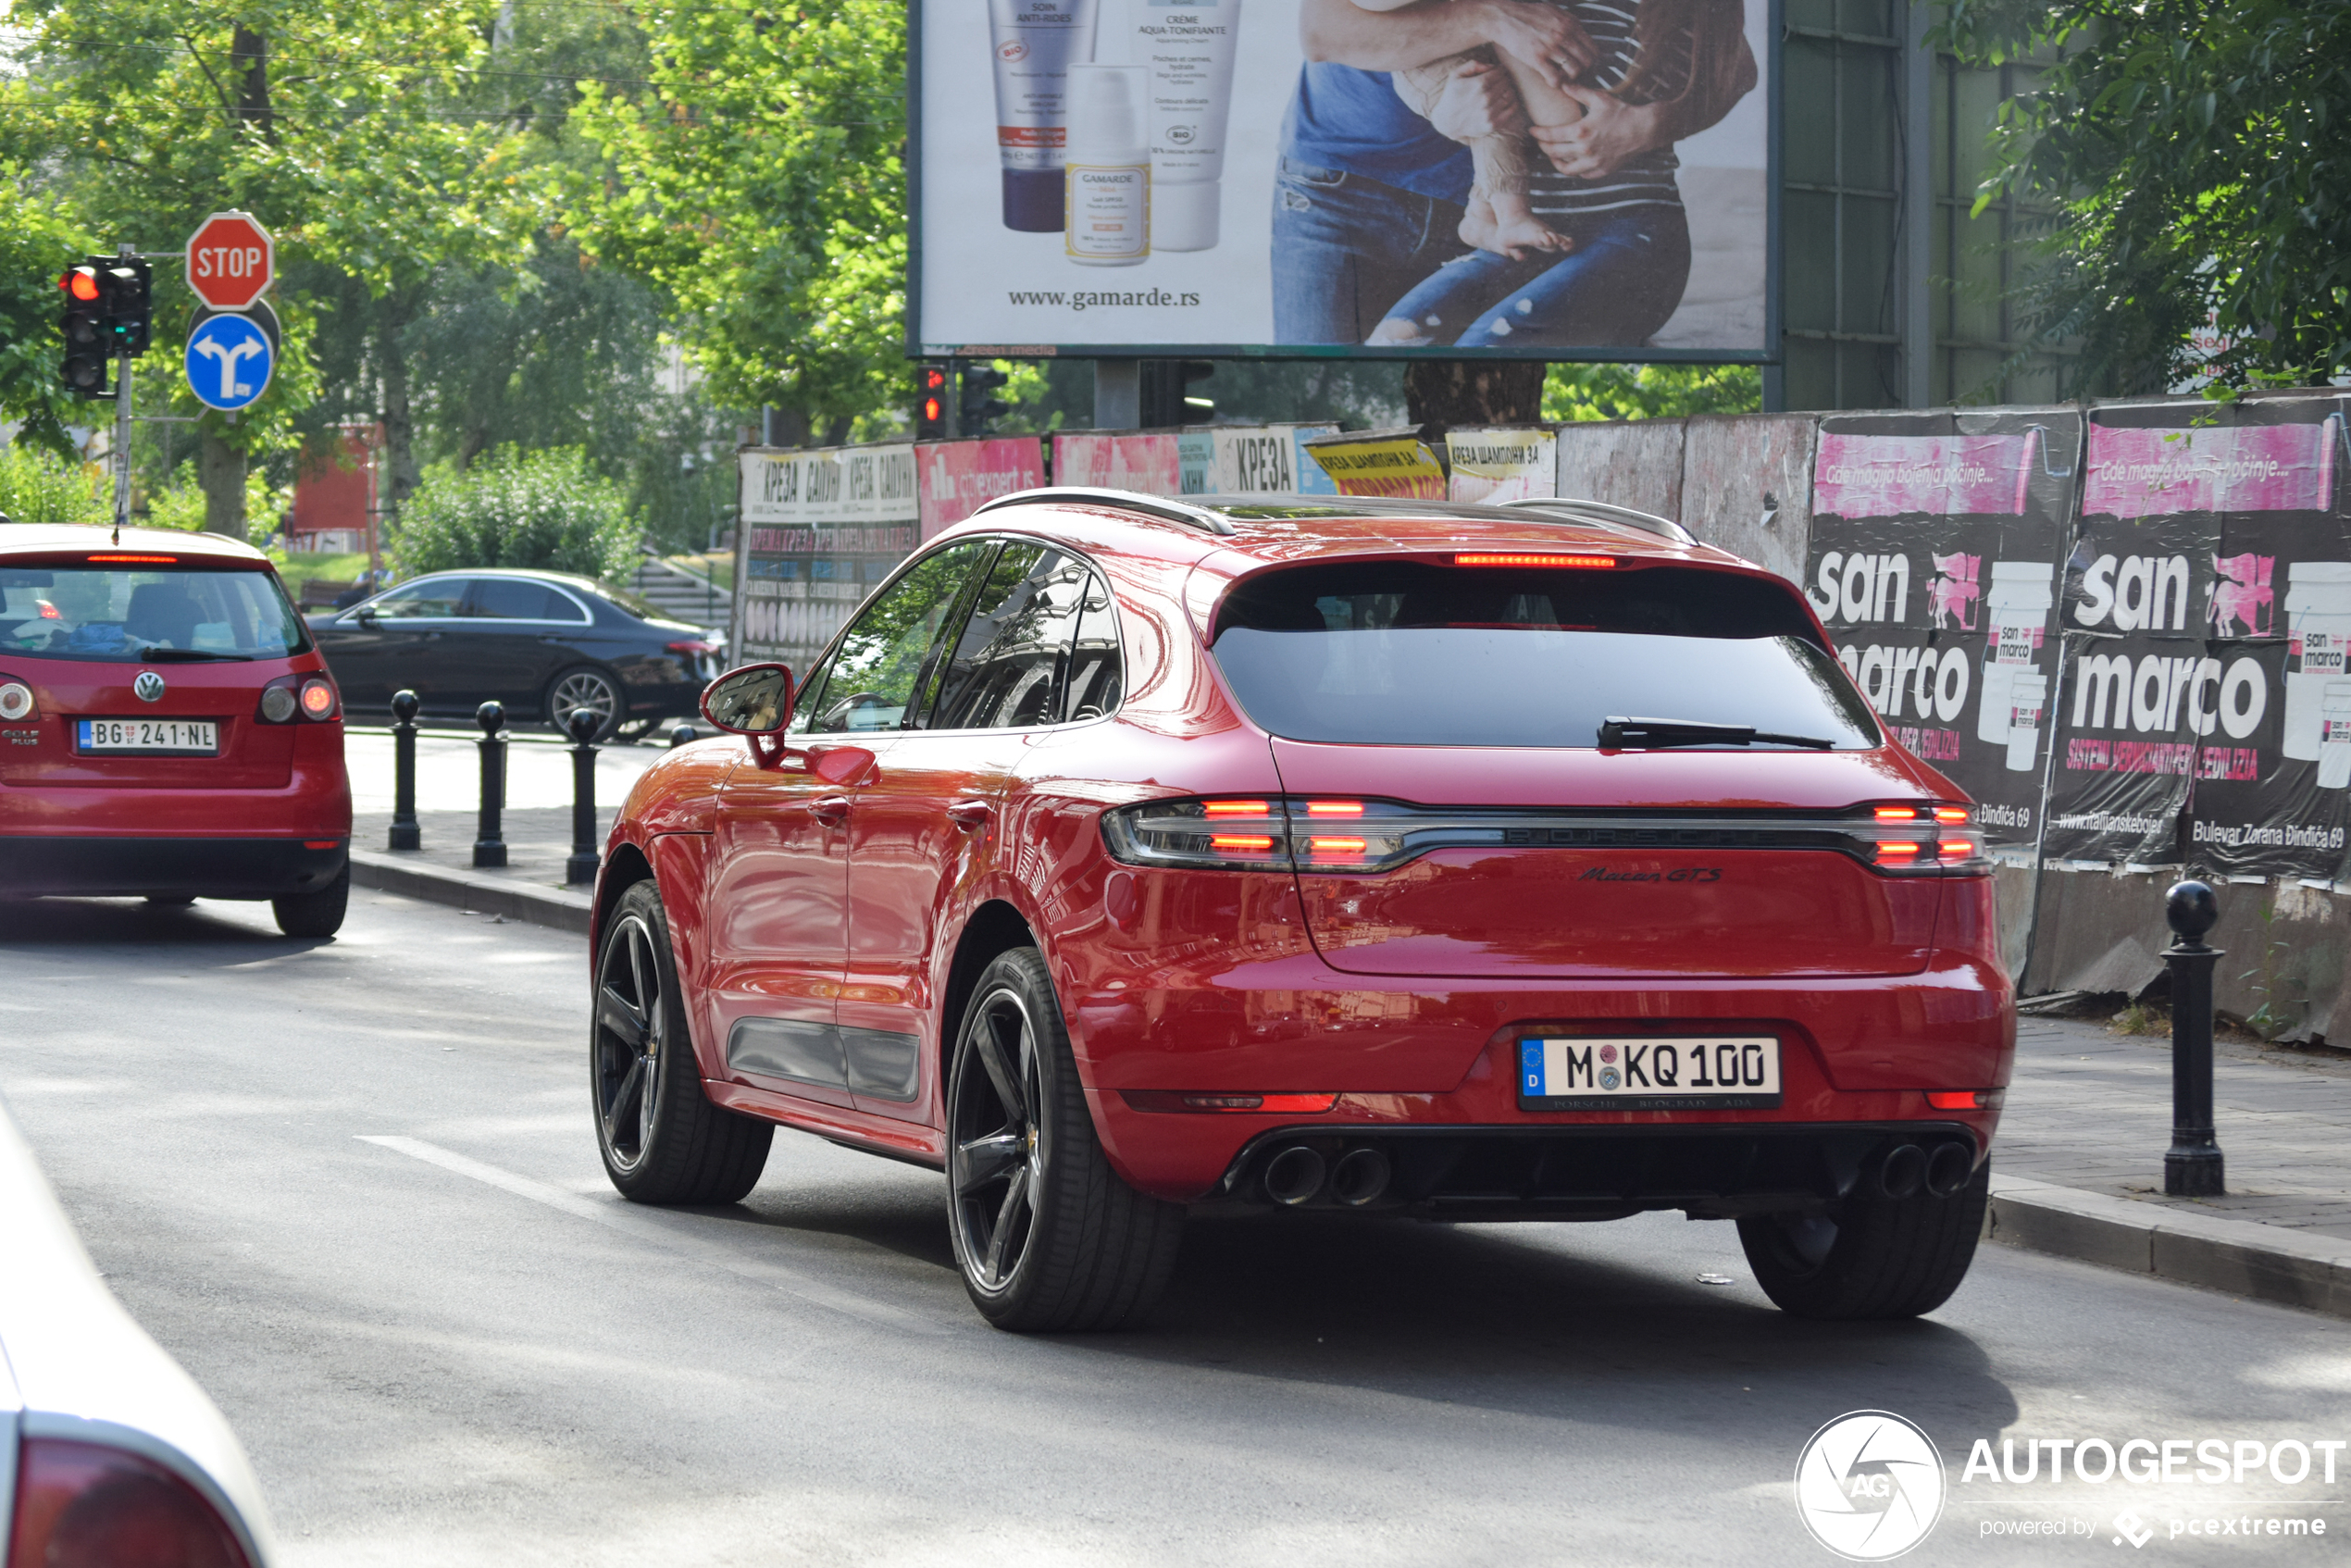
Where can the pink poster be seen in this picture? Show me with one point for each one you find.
(1877, 476)
(2139, 473)
(1144, 464)
(957, 477)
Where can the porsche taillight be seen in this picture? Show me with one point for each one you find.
(85, 1505)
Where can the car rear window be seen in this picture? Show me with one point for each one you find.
(140, 615)
(1419, 654)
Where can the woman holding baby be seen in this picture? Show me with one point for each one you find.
(1494, 173)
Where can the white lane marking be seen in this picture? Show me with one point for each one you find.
(616, 1215)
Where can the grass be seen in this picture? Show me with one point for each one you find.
(300, 567)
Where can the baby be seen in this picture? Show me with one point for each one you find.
(1500, 218)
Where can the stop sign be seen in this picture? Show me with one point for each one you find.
(230, 260)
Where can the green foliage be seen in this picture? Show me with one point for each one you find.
(547, 509)
(36, 487)
(1650, 392)
(180, 503)
(760, 183)
(37, 244)
(2196, 150)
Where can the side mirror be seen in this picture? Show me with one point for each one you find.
(365, 614)
(754, 700)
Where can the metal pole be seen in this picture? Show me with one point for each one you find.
(582, 723)
(488, 848)
(406, 832)
(2191, 1166)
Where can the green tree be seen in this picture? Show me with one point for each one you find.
(36, 486)
(547, 509)
(353, 133)
(759, 181)
(1650, 392)
(37, 244)
(2197, 156)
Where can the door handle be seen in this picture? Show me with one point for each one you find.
(969, 815)
(830, 810)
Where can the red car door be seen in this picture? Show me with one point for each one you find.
(779, 874)
(926, 827)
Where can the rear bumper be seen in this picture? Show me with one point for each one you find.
(125, 867)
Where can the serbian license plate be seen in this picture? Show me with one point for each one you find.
(186, 737)
(1680, 1071)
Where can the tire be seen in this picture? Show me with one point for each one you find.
(315, 914)
(586, 687)
(1871, 1257)
(661, 1140)
(1046, 1235)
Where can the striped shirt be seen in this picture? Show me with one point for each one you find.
(1645, 180)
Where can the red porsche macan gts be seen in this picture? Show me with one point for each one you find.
(1127, 854)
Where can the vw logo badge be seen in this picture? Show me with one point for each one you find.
(149, 685)
(1869, 1485)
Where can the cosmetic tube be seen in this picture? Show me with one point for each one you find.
(1188, 53)
(1109, 168)
(1036, 41)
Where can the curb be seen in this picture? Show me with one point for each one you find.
(2263, 1262)
(557, 908)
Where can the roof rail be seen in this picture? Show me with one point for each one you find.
(1123, 500)
(1601, 512)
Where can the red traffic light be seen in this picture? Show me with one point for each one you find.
(934, 378)
(933, 408)
(81, 282)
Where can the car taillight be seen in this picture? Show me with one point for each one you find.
(16, 700)
(1284, 833)
(82, 1505)
(298, 696)
(319, 698)
(1921, 838)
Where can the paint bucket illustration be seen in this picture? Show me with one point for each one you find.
(2017, 609)
(2028, 693)
(2317, 620)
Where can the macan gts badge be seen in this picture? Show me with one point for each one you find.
(1125, 856)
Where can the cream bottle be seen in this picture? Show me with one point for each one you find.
(1035, 43)
(1107, 204)
(1188, 53)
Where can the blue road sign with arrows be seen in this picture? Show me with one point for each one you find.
(229, 361)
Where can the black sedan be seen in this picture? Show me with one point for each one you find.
(540, 642)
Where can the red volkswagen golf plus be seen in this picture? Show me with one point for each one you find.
(1124, 855)
(167, 730)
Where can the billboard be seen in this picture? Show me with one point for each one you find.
(819, 529)
(1143, 178)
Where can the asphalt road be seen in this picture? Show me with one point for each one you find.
(352, 1185)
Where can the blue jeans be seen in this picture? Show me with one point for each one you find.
(1617, 287)
(1346, 248)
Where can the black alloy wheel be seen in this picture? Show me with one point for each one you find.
(590, 688)
(1046, 1235)
(663, 1140)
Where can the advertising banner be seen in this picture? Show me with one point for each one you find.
(2213, 572)
(1408, 462)
(1142, 177)
(1502, 464)
(818, 529)
(1936, 547)
(1149, 463)
(1268, 460)
(957, 477)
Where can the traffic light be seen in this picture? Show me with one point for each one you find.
(934, 385)
(125, 284)
(974, 407)
(84, 323)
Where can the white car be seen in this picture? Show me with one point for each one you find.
(110, 1456)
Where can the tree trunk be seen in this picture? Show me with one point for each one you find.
(249, 59)
(221, 474)
(1473, 392)
(788, 426)
(400, 457)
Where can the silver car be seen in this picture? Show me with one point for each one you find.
(109, 1453)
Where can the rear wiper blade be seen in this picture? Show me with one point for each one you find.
(187, 656)
(1633, 734)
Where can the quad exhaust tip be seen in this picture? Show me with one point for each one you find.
(1359, 1177)
(1948, 1168)
(1902, 1172)
(1294, 1176)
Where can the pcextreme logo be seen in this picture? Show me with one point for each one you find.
(1869, 1486)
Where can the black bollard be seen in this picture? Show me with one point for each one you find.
(406, 833)
(488, 848)
(582, 723)
(2191, 1166)
(681, 736)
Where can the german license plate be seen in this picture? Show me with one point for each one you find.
(1648, 1073)
(187, 737)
